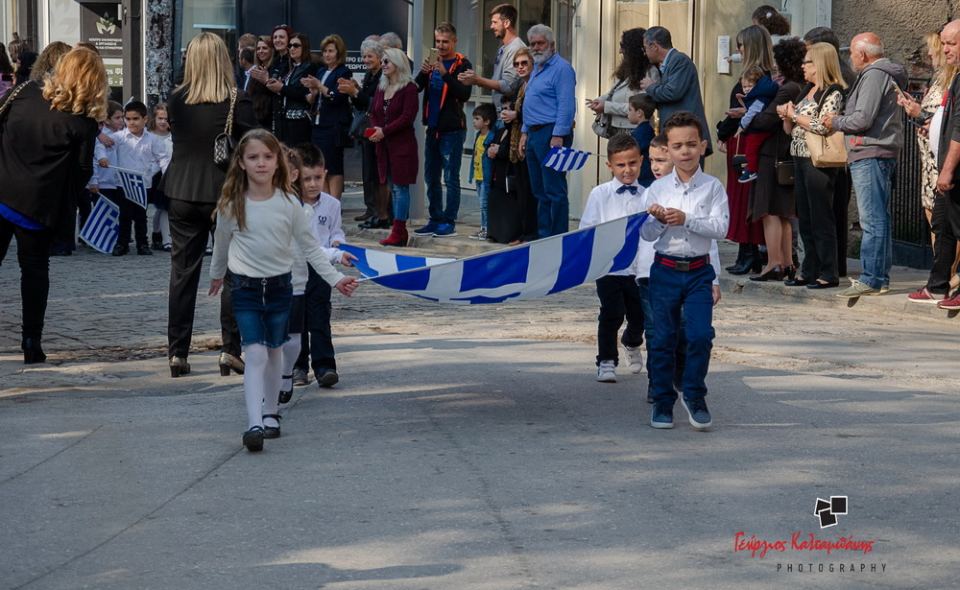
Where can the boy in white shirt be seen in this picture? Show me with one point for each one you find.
(618, 292)
(318, 347)
(140, 151)
(688, 211)
(104, 180)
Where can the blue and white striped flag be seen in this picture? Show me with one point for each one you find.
(564, 159)
(134, 187)
(527, 271)
(102, 226)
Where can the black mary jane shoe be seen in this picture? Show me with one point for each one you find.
(774, 274)
(271, 431)
(253, 439)
(796, 282)
(824, 285)
(286, 394)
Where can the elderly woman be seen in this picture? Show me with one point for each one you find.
(634, 67)
(392, 116)
(376, 195)
(814, 187)
(46, 159)
(331, 109)
(295, 126)
(198, 111)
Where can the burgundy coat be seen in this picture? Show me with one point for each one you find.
(398, 152)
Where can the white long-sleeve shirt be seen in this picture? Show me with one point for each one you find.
(167, 141)
(265, 247)
(104, 178)
(328, 225)
(142, 154)
(703, 201)
(606, 204)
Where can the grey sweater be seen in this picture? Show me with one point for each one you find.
(872, 120)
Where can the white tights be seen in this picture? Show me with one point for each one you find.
(291, 350)
(261, 382)
(161, 225)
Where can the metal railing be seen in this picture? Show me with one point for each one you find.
(911, 234)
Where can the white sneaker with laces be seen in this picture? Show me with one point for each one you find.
(634, 359)
(606, 372)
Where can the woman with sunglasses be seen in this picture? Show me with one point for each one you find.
(294, 124)
(634, 67)
(512, 206)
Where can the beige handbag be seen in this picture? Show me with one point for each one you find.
(827, 151)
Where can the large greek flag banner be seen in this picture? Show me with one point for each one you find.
(102, 226)
(134, 187)
(527, 271)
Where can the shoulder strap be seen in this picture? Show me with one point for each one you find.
(10, 98)
(233, 103)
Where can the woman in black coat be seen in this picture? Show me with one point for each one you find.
(46, 159)
(295, 123)
(198, 111)
(331, 109)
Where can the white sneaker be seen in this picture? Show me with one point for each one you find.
(606, 372)
(634, 359)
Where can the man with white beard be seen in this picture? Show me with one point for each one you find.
(549, 106)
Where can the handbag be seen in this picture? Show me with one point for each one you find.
(6, 103)
(359, 124)
(827, 151)
(603, 123)
(224, 143)
(784, 168)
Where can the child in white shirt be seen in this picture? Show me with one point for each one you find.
(160, 127)
(618, 292)
(104, 180)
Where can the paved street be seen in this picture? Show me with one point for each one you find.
(472, 449)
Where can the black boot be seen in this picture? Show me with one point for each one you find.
(32, 353)
(741, 252)
(749, 263)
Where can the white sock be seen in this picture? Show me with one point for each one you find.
(271, 385)
(291, 350)
(256, 358)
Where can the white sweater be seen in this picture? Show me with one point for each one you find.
(265, 247)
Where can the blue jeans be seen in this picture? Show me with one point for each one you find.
(483, 195)
(680, 301)
(548, 186)
(442, 155)
(401, 201)
(262, 308)
(873, 182)
(650, 328)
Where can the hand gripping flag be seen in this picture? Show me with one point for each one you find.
(564, 159)
(102, 226)
(134, 187)
(527, 271)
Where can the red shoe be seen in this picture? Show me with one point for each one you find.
(398, 235)
(923, 295)
(953, 303)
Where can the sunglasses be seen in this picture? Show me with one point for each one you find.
(295, 46)
(384, 61)
(517, 64)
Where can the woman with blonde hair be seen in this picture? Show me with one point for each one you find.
(46, 159)
(199, 111)
(392, 116)
(814, 187)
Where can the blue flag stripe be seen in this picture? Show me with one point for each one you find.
(495, 270)
(628, 253)
(577, 248)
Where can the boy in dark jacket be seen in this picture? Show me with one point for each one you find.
(443, 98)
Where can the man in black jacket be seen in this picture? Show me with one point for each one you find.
(443, 98)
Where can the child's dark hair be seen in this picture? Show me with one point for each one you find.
(113, 107)
(752, 74)
(487, 112)
(683, 119)
(623, 142)
(643, 103)
(659, 141)
(310, 156)
(135, 106)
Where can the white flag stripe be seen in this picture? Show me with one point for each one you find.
(384, 262)
(444, 282)
(102, 226)
(545, 259)
(605, 250)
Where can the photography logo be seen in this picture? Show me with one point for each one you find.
(827, 512)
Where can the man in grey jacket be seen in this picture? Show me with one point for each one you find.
(873, 125)
(679, 86)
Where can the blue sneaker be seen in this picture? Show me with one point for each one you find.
(747, 176)
(661, 415)
(698, 412)
(427, 230)
(445, 230)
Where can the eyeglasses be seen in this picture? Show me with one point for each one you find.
(295, 46)
(524, 63)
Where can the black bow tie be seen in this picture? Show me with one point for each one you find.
(627, 187)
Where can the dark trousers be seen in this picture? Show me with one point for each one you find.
(813, 189)
(680, 301)
(650, 328)
(619, 298)
(945, 224)
(317, 340)
(130, 212)
(190, 224)
(370, 176)
(33, 255)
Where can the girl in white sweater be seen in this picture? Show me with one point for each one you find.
(255, 253)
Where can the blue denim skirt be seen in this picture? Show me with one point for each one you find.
(262, 308)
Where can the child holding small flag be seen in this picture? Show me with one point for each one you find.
(142, 152)
(259, 218)
(484, 116)
(104, 180)
(618, 292)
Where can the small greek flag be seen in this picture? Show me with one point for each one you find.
(564, 159)
(102, 226)
(134, 187)
(527, 271)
